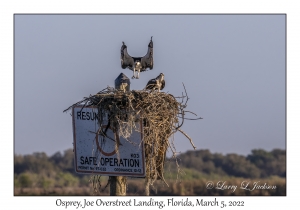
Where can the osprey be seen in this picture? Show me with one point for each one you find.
(137, 63)
(122, 83)
(156, 84)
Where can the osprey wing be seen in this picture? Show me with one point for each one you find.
(147, 60)
(151, 84)
(163, 83)
(126, 60)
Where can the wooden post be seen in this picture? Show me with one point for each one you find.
(147, 186)
(118, 183)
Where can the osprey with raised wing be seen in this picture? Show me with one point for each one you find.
(137, 64)
(156, 84)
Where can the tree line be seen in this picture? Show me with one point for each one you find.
(38, 170)
(258, 164)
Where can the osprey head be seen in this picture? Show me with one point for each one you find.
(160, 76)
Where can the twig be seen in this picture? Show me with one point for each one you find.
(187, 137)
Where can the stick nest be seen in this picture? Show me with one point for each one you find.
(161, 113)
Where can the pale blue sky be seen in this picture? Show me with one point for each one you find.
(233, 67)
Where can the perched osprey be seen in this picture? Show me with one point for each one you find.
(122, 82)
(156, 84)
(137, 63)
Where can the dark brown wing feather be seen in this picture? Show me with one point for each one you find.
(151, 84)
(163, 83)
(126, 60)
(147, 60)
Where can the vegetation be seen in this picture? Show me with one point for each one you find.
(259, 164)
(38, 174)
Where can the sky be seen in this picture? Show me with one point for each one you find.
(233, 68)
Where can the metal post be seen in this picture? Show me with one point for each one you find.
(118, 183)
